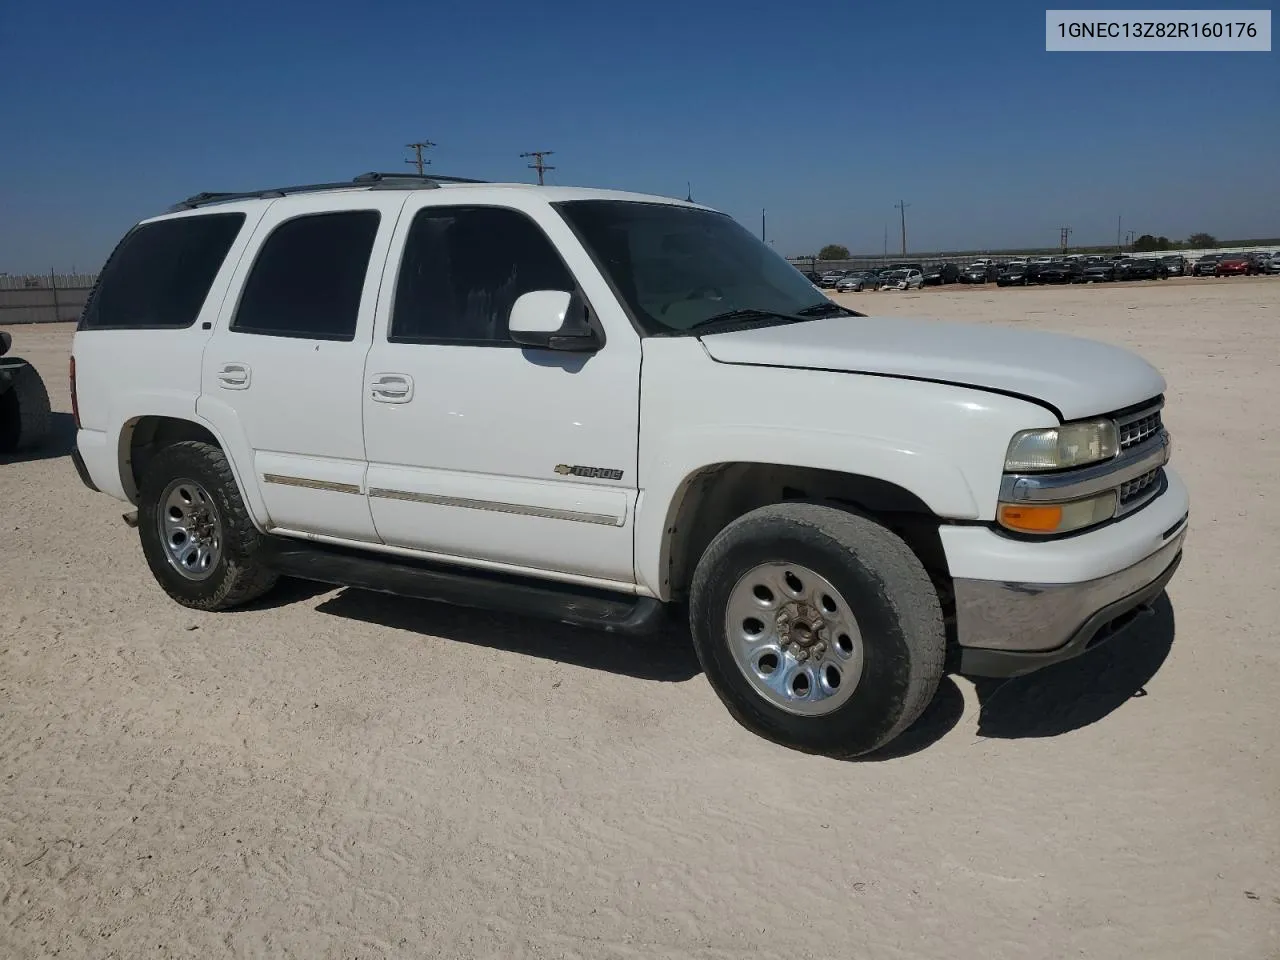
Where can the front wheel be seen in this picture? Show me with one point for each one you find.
(819, 629)
(196, 533)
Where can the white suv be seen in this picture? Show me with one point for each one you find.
(600, 406)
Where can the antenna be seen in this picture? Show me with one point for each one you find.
(538, 163)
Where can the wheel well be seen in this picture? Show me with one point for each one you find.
(718, 495)
(144, 437)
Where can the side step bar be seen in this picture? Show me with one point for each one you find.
(409, 577)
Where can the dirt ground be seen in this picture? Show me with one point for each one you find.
(338, 774)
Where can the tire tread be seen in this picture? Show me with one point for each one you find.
(909, 591)
(246, 579)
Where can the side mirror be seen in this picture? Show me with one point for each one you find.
(552, 320)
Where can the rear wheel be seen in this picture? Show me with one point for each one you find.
(24, 406)
(818, 629)
(196, 533)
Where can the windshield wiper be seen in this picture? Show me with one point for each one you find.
(812, 312)
(748, 313)
(825, 309)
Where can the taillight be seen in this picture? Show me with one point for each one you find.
(75, 407)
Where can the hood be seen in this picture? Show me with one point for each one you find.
(1078, 377)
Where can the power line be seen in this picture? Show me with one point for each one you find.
(417, 160)
(538, 163)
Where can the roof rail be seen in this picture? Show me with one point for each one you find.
(371, 181)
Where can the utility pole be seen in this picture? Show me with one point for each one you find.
(1128, 237)
(902, 208)
(1119, 233)
(417, 160)
(762, 224)
(886, 242)
(538, 163)
(1064, 233)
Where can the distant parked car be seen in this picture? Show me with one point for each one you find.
(857, 282)
(901, 280)
(1013, 274)
(1145, 268)
(1234, 265)
(980, 271)
(1098, 272)
(830, 278)
(1206, 266)
(1175, 263)
(941, 273)
(1258, 261)
(1273, 265)
(1123, 267)
(1062, 271)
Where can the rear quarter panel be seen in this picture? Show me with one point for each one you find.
(124, 374)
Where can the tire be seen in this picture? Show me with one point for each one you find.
(891, 601)
(234, 577)
(24, 406)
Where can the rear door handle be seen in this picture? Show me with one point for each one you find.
(391, 387)
(235, 376)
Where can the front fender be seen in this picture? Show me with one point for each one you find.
(943, 443)
(687, 453)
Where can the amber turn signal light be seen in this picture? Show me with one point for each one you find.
(1031, 519)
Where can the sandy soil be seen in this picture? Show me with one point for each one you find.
(337, 774)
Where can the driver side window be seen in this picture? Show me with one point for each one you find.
(463, 268)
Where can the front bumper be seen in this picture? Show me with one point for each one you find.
(1009, 611)
(1068, 595)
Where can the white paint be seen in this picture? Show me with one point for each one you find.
(1079, 377)
(300, 414)
(491, 423)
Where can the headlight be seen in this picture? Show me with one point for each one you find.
(1058, 448)
(1051, 518)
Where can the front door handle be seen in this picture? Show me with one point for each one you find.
(391, 388)
(235, 376)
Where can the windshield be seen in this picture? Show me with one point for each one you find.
(676, 267)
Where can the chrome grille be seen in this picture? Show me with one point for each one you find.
(1139, 488)
(1139, 426)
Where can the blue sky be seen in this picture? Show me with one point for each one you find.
(824, 113)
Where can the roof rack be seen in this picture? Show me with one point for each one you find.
(372, 181)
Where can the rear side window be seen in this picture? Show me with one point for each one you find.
(463, 270)
(308, 277)
(160, 273)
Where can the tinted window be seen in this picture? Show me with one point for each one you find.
(160, 273)
(464, 268)
(680, 266)
(308, 277)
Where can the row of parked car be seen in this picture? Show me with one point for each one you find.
(1077, 268)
